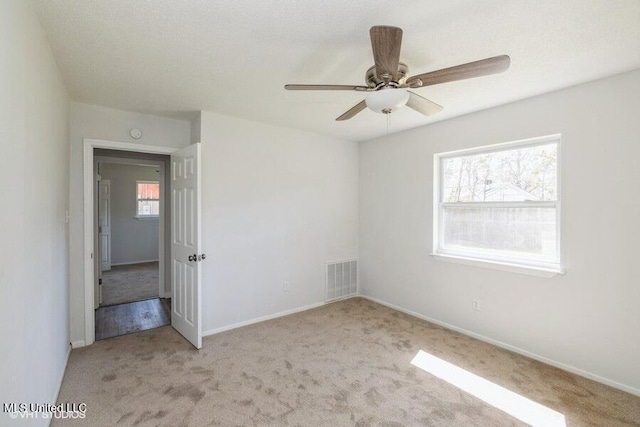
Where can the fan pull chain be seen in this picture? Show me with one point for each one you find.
(388, 122)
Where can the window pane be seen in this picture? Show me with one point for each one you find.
(512, 175)
(148, 207)
(147, 190)
(526, 232)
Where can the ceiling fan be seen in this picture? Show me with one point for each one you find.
(388, 80)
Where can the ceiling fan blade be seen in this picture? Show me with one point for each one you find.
(326, 87)
(423, 105)
(386, 43)
(353, 111)
(484, 67)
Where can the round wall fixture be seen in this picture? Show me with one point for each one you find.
(135, 133)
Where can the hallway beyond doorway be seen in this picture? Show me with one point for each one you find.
(129, 283)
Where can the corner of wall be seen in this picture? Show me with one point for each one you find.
(196, 128)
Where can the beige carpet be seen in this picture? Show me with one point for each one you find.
(344, 364)
(128, 283)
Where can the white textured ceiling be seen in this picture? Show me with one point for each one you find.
(174, 57)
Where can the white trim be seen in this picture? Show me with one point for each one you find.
(341, 261)
(129, 146)
(78, 344)
(514, 349)
(135, 262)
(498, 265)
(88, 146)
(528, 204)
(437, 189)
(273, 316)
(542, 269)
(559, 199)
(501, 146)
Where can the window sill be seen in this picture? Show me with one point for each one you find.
(147, 218)
(503, 266)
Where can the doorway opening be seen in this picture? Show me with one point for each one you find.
(130, 215)
(182, 229)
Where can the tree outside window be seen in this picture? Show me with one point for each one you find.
(500, 203)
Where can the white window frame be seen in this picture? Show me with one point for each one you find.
(532, 267)
(137, 215)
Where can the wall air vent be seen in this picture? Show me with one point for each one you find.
(342, 279)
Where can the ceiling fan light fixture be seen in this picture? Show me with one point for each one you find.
(388, 79)
(387, 100)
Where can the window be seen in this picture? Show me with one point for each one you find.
(147, 199)
(500, 204)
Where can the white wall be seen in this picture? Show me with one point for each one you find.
(587, 319)
(277, 205)
(90, 121)
(34, 178)
(196, 126)
(132, 239)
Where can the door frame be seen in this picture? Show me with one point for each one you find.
(88, 176)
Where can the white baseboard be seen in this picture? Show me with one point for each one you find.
(133, 262)
(78, 344)
(271, 316)
(509, 347)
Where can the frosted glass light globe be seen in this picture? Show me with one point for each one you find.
(387, 100)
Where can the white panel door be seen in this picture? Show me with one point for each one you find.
(104, 223)
(185, 243)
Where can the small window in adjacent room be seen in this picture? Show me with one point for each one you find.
(500, 204)
(147, 199)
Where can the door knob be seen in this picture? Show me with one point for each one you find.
(195, 257)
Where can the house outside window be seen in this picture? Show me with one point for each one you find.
(500, 204)
(147, 199)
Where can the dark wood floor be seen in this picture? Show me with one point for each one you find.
(122, 319)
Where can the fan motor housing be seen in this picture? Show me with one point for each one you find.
(372, 79)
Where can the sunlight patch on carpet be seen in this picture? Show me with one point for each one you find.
(512, 403)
